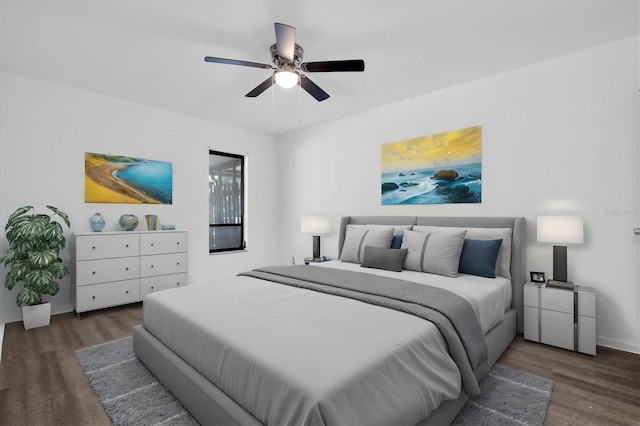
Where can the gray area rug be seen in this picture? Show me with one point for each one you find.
(131, 395)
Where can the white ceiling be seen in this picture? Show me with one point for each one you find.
(152, 52)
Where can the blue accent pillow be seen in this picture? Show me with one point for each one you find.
(396, 242)
(479, 257)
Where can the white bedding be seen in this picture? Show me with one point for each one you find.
(294, 356)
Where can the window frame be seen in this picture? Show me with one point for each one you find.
(242, 224)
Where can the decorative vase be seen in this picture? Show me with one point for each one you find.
(152, 222)
(128, 222)
(97, 222)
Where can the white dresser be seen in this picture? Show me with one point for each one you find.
(116, 268)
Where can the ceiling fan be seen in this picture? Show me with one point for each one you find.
(287, 58)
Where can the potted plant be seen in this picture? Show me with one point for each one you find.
(35, 242)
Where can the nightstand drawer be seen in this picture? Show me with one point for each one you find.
(556, 328)
(559, 300)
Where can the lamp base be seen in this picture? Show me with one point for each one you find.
(316, 246)
(560, 263)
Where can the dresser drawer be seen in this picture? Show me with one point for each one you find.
(163, 264)
(162, 282)
(557, 300)
(161, 243)
(99, 296)
(100, 271)
(106, 246)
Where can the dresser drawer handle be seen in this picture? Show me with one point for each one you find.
(93, 273)
(126, 269)
(127, 292)
(177, 263)
(93, 248)
(93, 297)
(151, 244)
(178, 243)
(127, 245)
(152, 266)
(177, 283)
(152, 287)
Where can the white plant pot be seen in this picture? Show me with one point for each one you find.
(36, 315)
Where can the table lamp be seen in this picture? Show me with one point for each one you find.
(560, 230)
(315, 225)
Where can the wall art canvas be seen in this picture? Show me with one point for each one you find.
(436, 169)
(119, 179)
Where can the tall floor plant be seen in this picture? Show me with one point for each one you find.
(35, 242)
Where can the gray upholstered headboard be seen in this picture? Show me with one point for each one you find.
(518, 276)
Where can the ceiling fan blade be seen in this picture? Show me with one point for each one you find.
(285, 40)
(331, 66)
(312, 88)
(236, 62)
(260, 88)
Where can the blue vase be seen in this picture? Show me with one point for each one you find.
(97, 222)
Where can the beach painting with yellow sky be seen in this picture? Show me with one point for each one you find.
(436, 169)
(119, 179)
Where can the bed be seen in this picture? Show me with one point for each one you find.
(346, 358)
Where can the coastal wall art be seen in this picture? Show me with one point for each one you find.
(436, 169)
(119, 179)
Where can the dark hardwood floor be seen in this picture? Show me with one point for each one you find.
(41, 382)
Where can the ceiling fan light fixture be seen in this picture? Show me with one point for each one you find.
(286, 78)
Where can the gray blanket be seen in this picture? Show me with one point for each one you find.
(453, 315)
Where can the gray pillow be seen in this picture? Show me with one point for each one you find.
(503, 264)
(357, 239)
(436, 252)
(383, 258)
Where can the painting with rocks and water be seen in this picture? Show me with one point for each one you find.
(436, 169)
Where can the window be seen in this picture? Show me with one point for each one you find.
(226, 202)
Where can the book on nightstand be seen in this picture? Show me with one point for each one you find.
(560, 284)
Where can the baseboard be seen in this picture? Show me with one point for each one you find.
(618, 344)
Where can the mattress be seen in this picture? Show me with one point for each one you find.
(294, 356)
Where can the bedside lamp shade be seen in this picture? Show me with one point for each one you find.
(315, 225)
(560, 230)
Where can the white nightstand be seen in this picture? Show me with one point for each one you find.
(560, 317)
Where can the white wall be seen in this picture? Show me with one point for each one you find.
(45, 129)
(559, 137)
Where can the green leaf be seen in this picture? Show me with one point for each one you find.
(52, 289)
(40, 259)
(59, 270)
(38, 278)
(62, 215)
(28, 297)
(19, 212)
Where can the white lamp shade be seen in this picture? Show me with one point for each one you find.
(560, 229)
(315, 224)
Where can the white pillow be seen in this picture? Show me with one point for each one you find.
(436, 252)
(357, 239)
(503, 265)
